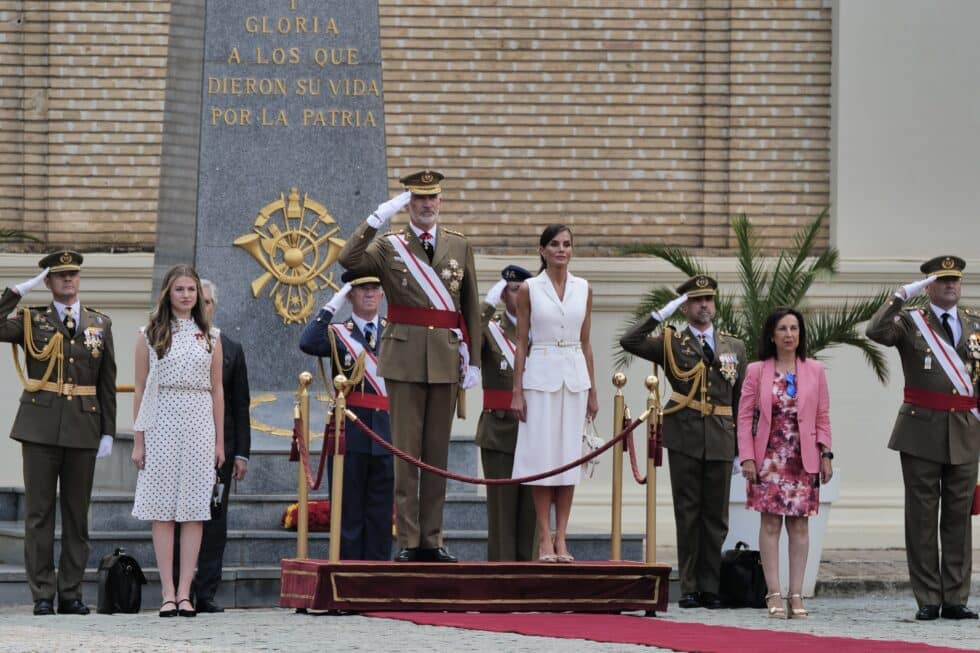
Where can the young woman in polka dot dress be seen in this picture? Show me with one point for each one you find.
(179, 429)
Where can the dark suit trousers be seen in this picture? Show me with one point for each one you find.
(365, 522)
(932, 488)
(213, 540)
(421, 422)
(700, 489)
(510, 512)
(44, 466)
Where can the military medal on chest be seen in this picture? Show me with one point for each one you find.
(973, 347)
(728, 367)
(452, 275)
(94, 340)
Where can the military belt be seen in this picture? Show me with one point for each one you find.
(69, 389)
(708, 409)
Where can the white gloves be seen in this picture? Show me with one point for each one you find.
(105, 447)
(386, 210)
(338, 300)
(26, 287)
(471, 378)
(668, 310)
(910, 290)
(494, 294)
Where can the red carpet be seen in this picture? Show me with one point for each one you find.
(622, 629)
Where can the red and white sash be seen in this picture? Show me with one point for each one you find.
(947, 356)
(370, 360)
(424, 275)
(507, 348)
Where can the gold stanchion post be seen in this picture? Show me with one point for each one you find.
(302, 411)
(653, 420)
(337, 487)
(619, 409)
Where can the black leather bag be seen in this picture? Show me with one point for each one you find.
(217, 494)
(743, 585)
(121, 582)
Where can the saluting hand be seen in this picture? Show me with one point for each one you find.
(910, 290)
(668, 310)
(386, 210)
(496, 292)
(29, 285)
(338, 300)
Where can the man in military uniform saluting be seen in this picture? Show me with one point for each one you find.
(429, 279)
(66, 419)
(705, 368)
(510, 508)
(937, 432)
(365, 532)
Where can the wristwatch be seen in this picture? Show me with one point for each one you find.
(829, 455)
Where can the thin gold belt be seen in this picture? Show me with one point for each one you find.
(69, 389)
(709, 409)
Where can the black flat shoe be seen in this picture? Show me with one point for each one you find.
(168, 613)
(710, 600)
(437, 555)
(72, 606)
(43, 607)
(209, 606)
(186, 613)
(689, 600)
(958, 612)
(407, 555)
(927, 613)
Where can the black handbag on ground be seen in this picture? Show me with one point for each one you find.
(743, 584)
(121, 582)
(217, 494)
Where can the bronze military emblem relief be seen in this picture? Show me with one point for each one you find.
(295, 241)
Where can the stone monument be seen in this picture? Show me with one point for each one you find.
(273, 152)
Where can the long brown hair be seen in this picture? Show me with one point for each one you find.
(159, 331)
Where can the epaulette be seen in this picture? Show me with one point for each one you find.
(497, 317)
(455, 233)
(392, 232)
(92, 310)
(384, 322)
(972, 312)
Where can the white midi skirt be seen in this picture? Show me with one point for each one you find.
(551, 436)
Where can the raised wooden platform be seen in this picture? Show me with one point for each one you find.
(473, 586)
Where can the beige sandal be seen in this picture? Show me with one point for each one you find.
(797, 613)
(776, 611)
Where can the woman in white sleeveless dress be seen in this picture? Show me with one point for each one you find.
(179, 431)
(554, 388)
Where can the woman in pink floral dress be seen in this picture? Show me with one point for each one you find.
(787, 454)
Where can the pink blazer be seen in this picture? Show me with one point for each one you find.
(812, 406)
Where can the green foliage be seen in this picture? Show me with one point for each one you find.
(768, 282)
(9, 235)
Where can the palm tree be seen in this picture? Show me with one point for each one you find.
(767, 283)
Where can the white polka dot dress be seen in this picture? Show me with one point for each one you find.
(178, 423)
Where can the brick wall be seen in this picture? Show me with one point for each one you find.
(628, 119)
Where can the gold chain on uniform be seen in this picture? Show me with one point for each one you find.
(354, 374)
(695, 375)
(53, 352)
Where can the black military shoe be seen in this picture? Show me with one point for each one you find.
(690, 600)
(957, 612)
(43, 607)
(437, 555)
(710, 600)
(407, 555)
(927, 613)
(208, 606)
(72, 606)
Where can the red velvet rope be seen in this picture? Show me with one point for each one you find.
(491, 481)
(642, 480)
(304, 454)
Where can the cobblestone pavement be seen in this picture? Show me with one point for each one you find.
(884, 617)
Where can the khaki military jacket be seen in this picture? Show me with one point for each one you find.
(938, 435)
(711, 437)
(497, 429)
(46, 417)
(410, 352)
